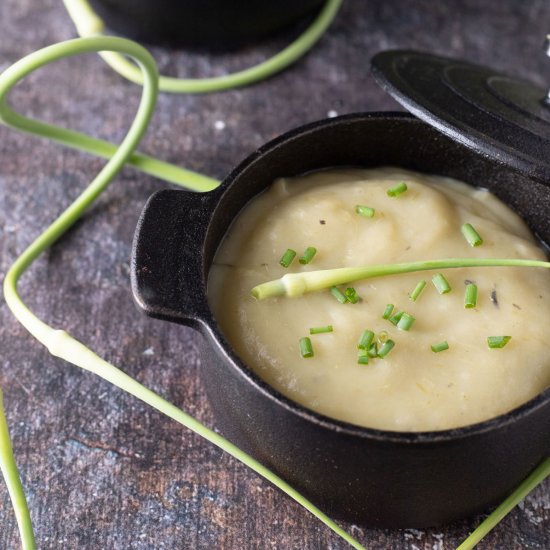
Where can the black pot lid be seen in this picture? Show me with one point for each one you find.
(504, 117)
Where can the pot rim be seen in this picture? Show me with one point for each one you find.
(210, 325)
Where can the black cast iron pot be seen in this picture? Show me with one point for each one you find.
(211, 24)
(372, 477)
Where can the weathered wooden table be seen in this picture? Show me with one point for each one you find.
(102, 470)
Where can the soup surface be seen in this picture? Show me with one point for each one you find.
(412, 388)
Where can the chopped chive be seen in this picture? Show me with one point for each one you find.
(365, 211)
(351, 295)
(441, 346)
(363, 359)
(388, 311)
(498, 341)
(373, 350)
(471, 235)
(366, 339)
(287, 257)
(320, 330)
(406, 322)
(396, 190)
(441, 284)
(387, 346)
(417, 290)
(308, 254)
(470, 296)
(339, 295)
(396, 317)
(306, 349)
(382, 337)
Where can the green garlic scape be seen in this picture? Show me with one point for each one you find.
(297, 284)
(13, 483)
(58, 342)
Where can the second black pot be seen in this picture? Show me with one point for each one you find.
(210, 24)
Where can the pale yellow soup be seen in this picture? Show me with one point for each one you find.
(412, 388)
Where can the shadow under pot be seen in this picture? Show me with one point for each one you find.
(371, 477)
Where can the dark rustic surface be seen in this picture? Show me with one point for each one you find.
(102, 470)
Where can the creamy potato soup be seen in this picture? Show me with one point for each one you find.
(412, 388)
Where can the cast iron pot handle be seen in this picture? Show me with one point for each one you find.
(168, 276)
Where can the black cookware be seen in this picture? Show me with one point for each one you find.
(368, 476)
(211, 24)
